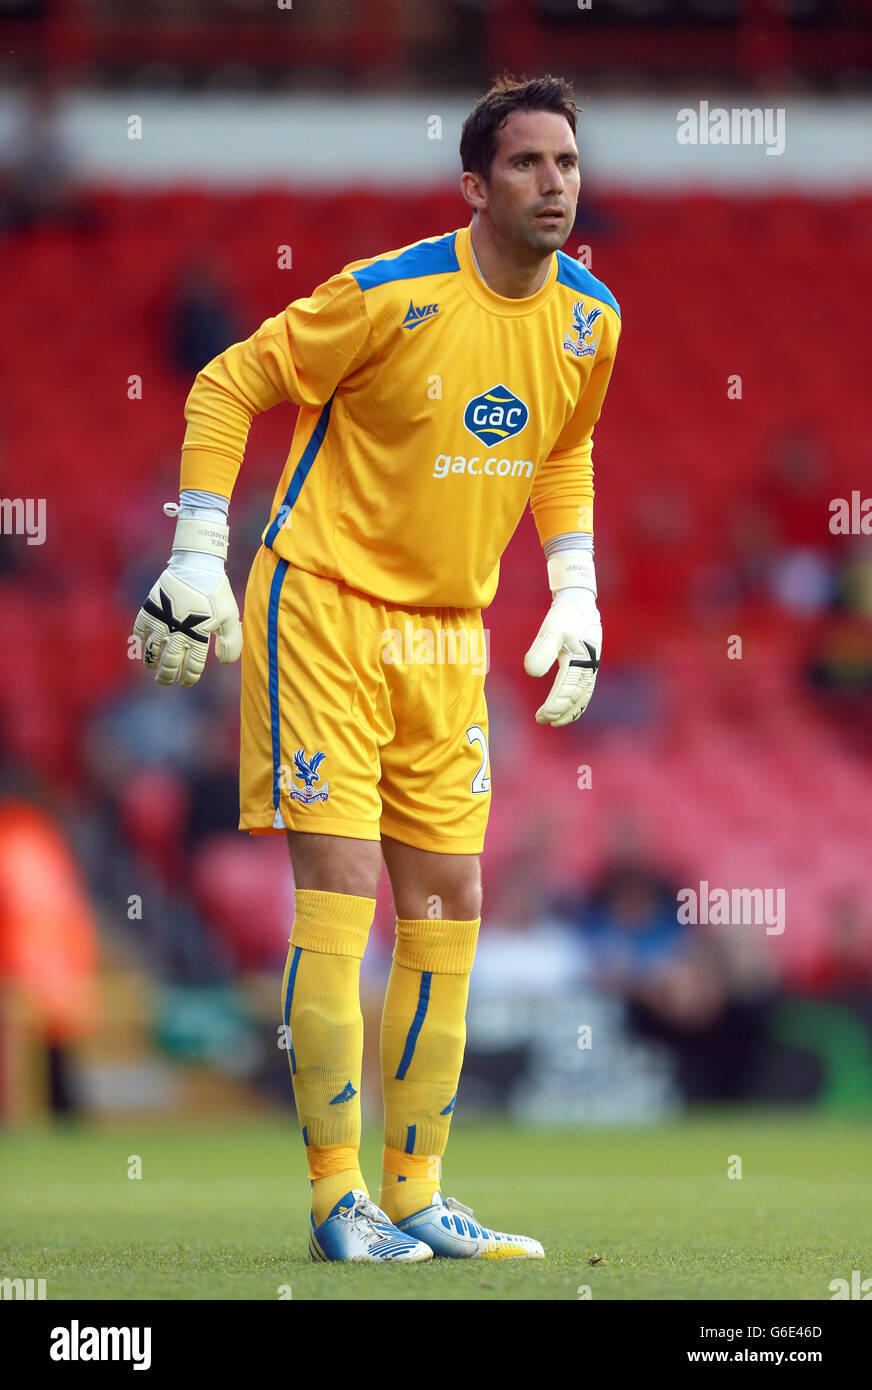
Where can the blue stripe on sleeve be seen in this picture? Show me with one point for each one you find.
(300, 474)
(425, 258)
(578, 277)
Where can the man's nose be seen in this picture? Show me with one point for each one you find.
(552, 178)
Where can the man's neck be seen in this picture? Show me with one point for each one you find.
(512, 281)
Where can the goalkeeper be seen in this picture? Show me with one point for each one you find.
(441, 388)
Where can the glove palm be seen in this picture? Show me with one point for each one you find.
(191, 600)
(572, 636)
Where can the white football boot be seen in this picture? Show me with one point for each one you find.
(359, 1231)
(449, 1230)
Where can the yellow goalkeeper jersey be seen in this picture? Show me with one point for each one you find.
(431, 411)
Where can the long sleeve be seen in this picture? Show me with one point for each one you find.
(561, 499)
(300, 355)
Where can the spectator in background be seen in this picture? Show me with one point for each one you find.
(676, 979)
(12, 557)
(525, 950)
(630, 925)
(201, 321)
(783, 550)
(38, 185)
(795, 491)
(842, 965)
(48, 950)
(838, 664)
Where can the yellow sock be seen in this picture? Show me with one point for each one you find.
(324, 1032)
(423, 1034)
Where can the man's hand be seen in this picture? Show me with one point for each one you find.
(191, 600)
(572, 635)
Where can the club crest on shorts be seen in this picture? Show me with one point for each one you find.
(307, 771)
(582, 324)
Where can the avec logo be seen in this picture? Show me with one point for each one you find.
(419, 313)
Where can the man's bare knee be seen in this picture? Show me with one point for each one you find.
(465, 900)
(428, 884)
(335, 863)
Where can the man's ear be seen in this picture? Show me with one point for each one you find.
(474, 190)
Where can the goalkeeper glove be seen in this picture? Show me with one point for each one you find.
(572, 635)
(191, 600)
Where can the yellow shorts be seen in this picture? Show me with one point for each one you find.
(359, 718)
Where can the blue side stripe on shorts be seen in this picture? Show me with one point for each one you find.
(272, 625)
(417, 1025)
(300, 474)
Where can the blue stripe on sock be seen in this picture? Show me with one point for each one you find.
(417, 1025)
(306, 1135)
(410, 1139)
(288, 997)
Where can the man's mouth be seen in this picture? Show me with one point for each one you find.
(550, 215)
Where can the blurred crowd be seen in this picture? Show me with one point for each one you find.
(397, 45)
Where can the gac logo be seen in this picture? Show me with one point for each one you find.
(495, 415)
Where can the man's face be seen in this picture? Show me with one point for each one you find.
(534, 181)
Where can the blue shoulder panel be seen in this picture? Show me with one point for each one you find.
(425, 258)
(569, 272)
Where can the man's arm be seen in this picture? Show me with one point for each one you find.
(301, 355)
(561, 501)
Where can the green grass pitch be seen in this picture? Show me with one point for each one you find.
(220, 1212)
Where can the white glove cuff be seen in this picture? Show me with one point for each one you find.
(582, 598)
(198, 534)
(572, 569)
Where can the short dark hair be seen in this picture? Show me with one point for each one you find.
(478, 139)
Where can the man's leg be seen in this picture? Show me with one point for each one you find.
(335, 881)
(438, 903)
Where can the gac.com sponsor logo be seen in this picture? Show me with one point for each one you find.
(493, 467)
